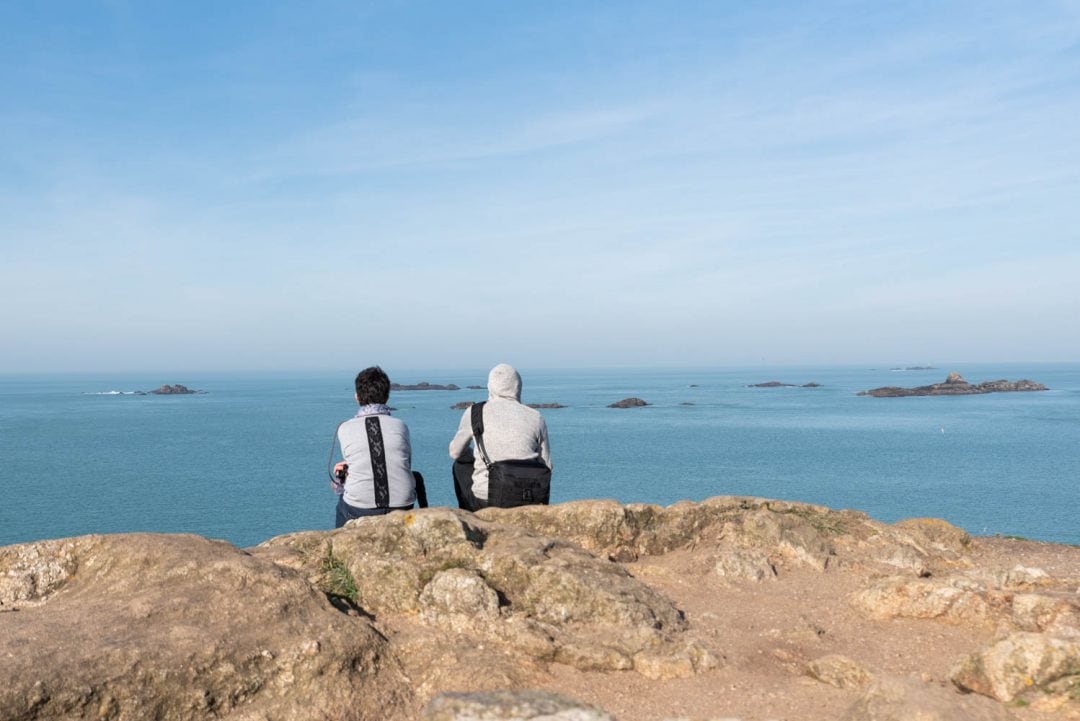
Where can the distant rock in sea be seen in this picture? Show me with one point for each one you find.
(915, 368)
(175, 390)
(475, 388)
(628, 403)
(778, 384)
(686, 403)
(467, 404)
(423, 386)
(955, 385)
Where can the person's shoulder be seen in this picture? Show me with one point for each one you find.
(392, 422)
(530, 412)
(350, 422)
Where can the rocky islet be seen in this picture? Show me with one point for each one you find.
(955, 385)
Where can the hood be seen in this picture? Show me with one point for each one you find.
(504, 382)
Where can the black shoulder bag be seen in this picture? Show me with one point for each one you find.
(511, 483)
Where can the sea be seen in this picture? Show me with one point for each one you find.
(245, 459)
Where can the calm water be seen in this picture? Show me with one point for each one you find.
(246, 461)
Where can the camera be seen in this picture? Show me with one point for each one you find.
(341, 473)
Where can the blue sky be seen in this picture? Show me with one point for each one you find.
(208, 185)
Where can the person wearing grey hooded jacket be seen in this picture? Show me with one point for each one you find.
(512, 430)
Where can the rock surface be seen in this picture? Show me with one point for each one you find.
(532, 595)
(510, 706)
(179, 627)
(955, 385)
(1022, 662)
(902, 699)
(729, 608)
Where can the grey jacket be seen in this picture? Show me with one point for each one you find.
(512, 431)
(359, 484)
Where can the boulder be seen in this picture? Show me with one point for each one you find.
(904, 699)
(520, 705)
(839, 671)
(903, 597)
(181, 627)
(1007, 668)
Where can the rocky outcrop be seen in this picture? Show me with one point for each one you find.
(1019, 599)
(778, 384)
(174, 390)
(423, 386)
(746, 537)
(628, 403)
(440, 612)
(530, 595)
(180, 627)
(955, 385)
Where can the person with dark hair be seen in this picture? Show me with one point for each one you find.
(376, 476)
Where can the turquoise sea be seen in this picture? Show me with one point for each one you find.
(246, 460)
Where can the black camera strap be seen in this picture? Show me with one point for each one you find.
(333, 447)
(378, 461)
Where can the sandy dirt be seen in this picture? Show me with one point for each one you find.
(766, 632)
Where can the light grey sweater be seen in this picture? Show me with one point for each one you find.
(359, 484)
(512, 430)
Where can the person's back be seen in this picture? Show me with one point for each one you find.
(377, 469)
(512, 430)
(360, 483)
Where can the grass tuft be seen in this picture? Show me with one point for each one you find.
(337, 579)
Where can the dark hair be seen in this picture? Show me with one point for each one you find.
(372, 386)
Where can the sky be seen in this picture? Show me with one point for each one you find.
(567, 183)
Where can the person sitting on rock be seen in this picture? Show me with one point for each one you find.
(511, 431)
(376, 476)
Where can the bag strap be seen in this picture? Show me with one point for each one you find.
(333, 447)
(477, 417)
(378, 461)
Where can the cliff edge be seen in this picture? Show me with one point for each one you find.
(739, 608)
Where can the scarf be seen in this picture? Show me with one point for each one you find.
(373, 409)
